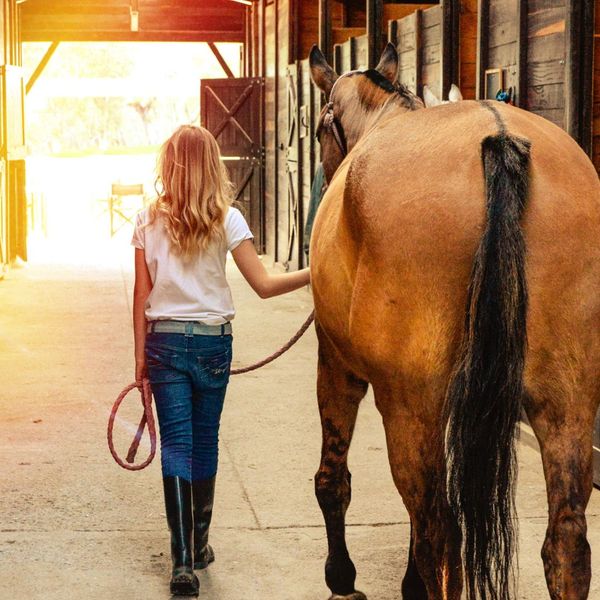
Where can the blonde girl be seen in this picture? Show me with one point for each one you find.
(182, 313)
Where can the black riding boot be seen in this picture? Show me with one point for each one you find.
(203, 491)
(178, 503)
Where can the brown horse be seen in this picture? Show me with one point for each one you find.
(455, 266)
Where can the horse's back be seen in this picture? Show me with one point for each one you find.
(405, 215)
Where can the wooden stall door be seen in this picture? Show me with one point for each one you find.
(427, 42)
(309, 108)
(293, 259)
(231, 109)
(350, 55)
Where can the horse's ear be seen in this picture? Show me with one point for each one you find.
(388, 63)
(322, 74)
(455, 95)
(429, 97)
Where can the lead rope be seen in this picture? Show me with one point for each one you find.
(148, 417)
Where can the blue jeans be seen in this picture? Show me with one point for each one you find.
(188, 375)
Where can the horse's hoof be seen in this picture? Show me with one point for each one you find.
(353, 596)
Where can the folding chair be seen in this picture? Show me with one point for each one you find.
(124, 202)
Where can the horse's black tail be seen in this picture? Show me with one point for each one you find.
(484, 396)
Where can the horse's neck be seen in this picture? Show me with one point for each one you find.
(371, 118)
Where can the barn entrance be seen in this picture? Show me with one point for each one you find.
(96, 120)
(83, 159)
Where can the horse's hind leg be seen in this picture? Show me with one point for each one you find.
(414, 441)
(564, 429)
(339, 394)
(413, 586)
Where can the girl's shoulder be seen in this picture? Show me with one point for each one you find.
(142, 217)
(233, 217)
(232, 213)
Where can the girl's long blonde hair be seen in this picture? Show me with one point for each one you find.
(194, 191)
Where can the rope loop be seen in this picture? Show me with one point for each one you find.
(147, 419)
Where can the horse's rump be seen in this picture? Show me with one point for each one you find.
(399, 226)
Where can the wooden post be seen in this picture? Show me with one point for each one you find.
(450, 45)
(482, 46)
(337, 58)
(325, 31)
(418, 16)
(522, 79)
(577, 63)
(374, 31)
(275, 173)
(579, 71)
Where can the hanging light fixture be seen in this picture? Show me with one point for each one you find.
(134, 16)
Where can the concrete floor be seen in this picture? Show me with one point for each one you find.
(75, 525)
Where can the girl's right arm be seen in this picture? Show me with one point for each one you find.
(266, 284)
(141, 291)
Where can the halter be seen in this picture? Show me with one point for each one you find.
(329, 120)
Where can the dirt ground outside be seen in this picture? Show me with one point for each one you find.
(74, 525)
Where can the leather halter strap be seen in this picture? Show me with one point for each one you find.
(331, 122)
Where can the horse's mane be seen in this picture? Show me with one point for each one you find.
(407, 98)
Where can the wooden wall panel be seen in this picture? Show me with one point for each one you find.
(308, 23)
(350, 55)
(546, 53)
(405, 33)
(418, 40)
(360, 52)
(394, 12)
(502, 39)
(431, 50)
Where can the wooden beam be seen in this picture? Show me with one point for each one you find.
(374, 31)
(132, 36)
(41, 66)
(325, 31)
(482, 46)
(221, 60)
(522, 36)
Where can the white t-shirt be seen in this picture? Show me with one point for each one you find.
(192, 290)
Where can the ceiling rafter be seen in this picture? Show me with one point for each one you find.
(113, 20)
